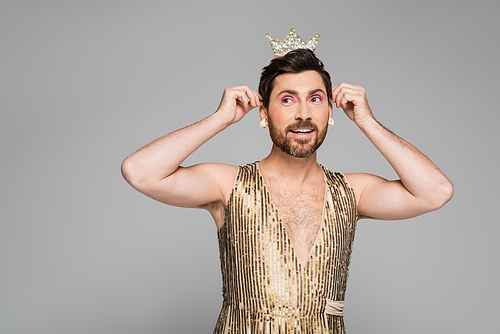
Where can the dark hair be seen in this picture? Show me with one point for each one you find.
(296, 61)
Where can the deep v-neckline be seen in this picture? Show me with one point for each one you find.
(282, 226)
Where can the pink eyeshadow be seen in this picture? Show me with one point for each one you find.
(287, 97)
(317, 95)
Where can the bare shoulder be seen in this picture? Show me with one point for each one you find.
(359, 181)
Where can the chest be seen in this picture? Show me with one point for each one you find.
(300, 210)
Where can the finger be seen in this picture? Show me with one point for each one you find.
(259, 96)
(257, 99)
(348, 88)
(229, 96)
(241, 98)
(338, 99)
(334, 95)
(252, 97)
(345, 87)
(335, 92)
(344, 101)
(244, 99)
(340, 87)
(354, 92)
(356, 97)
(339, 93)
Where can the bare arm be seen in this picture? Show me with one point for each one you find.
(155, 170)
(422, 186)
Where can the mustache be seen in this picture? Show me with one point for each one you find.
(301, 125)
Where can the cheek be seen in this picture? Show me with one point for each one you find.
(323, 114)
(279, 116)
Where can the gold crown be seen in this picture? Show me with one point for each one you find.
(292, 42)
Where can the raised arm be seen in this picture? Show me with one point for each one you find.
(155, 170)
(422, 186)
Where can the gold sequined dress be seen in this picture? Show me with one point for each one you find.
(265, 288)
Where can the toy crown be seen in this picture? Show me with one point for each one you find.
(292, 42)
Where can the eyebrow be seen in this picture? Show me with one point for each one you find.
(294, 92)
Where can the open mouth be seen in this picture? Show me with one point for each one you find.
(302, 131)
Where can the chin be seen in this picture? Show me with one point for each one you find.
(299, 150)
(302, 155)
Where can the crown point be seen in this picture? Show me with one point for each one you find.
(292, 42)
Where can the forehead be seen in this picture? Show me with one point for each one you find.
(300, 82)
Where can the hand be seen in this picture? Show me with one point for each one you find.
(352, 99)
(237, 102)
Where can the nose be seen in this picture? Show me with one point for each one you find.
(303, 111)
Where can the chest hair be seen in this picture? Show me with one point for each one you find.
(301, 210)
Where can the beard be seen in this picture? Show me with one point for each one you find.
(298, 148)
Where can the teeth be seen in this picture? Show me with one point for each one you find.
(301, 131)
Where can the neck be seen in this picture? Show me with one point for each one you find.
(283, 166)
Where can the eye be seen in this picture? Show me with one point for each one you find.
(287, 100)
(316, 98)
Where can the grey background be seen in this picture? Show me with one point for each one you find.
(85, 83)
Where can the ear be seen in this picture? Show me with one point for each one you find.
(263, 113)
(330, 109)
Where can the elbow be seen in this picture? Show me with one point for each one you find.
(443, 193)
(450, 191)
(129, 170)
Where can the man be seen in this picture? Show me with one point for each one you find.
(286, 224)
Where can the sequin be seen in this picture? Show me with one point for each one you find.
(265, 288)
